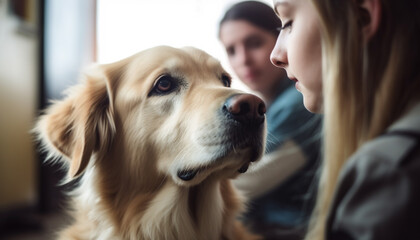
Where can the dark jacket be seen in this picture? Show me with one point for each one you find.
(378, 194)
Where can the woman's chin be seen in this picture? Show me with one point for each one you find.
(312, 106)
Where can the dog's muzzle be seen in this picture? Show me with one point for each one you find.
(245, 117)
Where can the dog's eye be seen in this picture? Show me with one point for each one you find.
(165, 84)
(226, 80)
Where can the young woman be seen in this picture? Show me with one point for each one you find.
(279, 185)
(357, 62)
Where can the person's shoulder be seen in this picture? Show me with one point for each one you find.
(386, 151)
(386, 168)
(398, 146)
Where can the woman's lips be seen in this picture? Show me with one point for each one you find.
(296, 82)
(250, 75)
(294, 79)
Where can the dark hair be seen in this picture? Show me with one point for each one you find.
(254, 12)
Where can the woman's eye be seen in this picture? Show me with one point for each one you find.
(287, 25)
(230, 51)
(226, 80)
(164, 84)
(254, 43)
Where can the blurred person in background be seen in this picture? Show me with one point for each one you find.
(279, 187)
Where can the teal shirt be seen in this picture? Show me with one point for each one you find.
(287, 118)
(290, 203)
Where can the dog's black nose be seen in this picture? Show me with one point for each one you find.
(245, 108)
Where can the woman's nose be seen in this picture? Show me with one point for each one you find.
(243, 56)
(278, 55)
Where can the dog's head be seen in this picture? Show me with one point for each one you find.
(163, 112)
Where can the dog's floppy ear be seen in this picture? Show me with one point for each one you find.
(81, 123)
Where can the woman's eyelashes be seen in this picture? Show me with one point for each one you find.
(286, 25)
(254, 42)
(230, 51)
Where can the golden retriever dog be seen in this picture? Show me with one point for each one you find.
(155, 139)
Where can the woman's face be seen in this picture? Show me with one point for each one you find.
(248, 48)
(298, 49)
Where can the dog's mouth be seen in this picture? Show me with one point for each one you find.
(236, 155)
(187, 175)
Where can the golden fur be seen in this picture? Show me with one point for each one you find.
(128, 143)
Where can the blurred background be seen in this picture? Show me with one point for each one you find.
(44, 44)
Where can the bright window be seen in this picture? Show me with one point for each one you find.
(128, 26)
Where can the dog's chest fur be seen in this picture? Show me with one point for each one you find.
(172, 213)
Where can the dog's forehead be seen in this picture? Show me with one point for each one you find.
(182, 59)
(201, 57)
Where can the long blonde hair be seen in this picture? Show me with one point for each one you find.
(366, 87)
